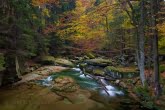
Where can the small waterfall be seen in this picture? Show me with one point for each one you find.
(110, 90)
(47, 81)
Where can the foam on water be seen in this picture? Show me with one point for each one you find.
(84, 76)
(47, 81)
(76, 69)
(110, 88)
(112, 91)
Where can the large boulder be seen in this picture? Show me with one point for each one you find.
(98, 71)
(65, 84)
(64, 62)
(99, 62)
(121, 72)
(89, 69)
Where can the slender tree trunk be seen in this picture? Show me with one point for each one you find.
(154, 11)
(141, 43)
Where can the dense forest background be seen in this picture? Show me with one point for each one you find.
(131, 32)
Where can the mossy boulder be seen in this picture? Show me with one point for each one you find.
(65, 84)
(47, 60)
(121, 72)
(99, 62)
(82, 65)
(98, 71)
(89, 69)
(64, 62)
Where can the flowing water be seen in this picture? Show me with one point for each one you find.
(112, 97)
(27, 97)
(85, 82)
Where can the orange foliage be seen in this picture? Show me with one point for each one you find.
(42, 2)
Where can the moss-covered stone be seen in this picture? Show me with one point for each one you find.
(122, 72)
(98, 71)
(64, 62)
(99, 62)
(82, 65)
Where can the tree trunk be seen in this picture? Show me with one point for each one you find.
(141, 43)
(154, 11)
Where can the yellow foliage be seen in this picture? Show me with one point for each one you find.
(34, 16)
(161, 28)
(45, 12)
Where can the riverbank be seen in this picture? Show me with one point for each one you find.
(40, 73)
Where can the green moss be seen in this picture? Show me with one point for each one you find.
(98, 71)
(122, 69)
(91, 55)
(2, 62)
(122, 72)
(162, 68)
(64, 62)
(82, 65)
(99, 62)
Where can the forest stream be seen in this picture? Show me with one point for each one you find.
(90, 95)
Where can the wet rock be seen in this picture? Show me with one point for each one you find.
(117, 82)
(40, 73)
(64, 62)
(89, 69)
(99, 62)
(121, 72)
(122, 84)
(65, 84)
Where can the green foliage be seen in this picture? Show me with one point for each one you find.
(2, 62)
(143, 92)
(162, 46)
(162, 68)
(163, 90)
(146, 96)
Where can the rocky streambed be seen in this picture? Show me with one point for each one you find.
(88, 86)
